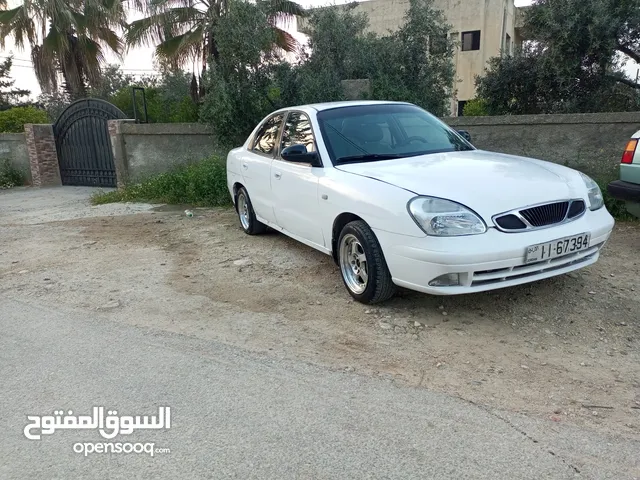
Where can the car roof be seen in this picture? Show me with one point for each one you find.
(349, 103)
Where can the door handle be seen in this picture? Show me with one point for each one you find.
(278, 175)
(245, 166)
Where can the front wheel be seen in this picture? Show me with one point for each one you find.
(362, 265)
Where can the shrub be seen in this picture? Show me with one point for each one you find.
(9, 175)
(617, 208)
(202, 184)
(160, 107)
(476, 107)
(14, 119)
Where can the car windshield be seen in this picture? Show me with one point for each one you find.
(366, 133)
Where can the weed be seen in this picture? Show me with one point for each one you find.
(202, 183)
(9, 175)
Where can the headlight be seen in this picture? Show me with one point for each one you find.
(596, 200)
(444, 218)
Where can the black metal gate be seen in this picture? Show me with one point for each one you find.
(83, 144)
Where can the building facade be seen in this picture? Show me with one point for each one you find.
(481, 28)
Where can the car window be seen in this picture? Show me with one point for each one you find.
(297, 130)
(385, 131)
(267, 136)
(417, 126)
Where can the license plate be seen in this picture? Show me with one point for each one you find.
(557, 248)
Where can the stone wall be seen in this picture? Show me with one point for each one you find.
(43, 157)
(141, 150)
(590, 142)
(13, 146)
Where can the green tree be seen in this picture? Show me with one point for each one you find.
(188, 30)
(240, 83)
(67, 38)
(54, 103)
(412, 64)
(168, 98)
(476, 107)
(249, 80)
(9, 95)
(14, 119)
(418, 58)
(587, 34)
(573, 63)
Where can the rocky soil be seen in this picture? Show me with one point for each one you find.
(565, 349)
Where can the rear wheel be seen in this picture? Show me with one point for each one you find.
(362, 265)
(248, 221)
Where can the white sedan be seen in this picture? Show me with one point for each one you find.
(400, 199)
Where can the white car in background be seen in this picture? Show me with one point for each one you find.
(400, 199)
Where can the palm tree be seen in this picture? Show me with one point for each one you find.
(67, 38)
(184, 30)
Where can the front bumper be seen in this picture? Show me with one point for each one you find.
(626, 191)
(489, 261)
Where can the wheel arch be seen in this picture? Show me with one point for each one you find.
(237, 186)
(338, 224)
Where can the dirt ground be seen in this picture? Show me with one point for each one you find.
(565, 349)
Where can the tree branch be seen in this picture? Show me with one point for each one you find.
(630, 53)
(626, 81)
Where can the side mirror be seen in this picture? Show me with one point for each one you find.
(466, 135)
(298, 153)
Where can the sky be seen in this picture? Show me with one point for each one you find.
(136, 61)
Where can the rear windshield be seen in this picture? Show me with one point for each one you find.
(384, 132)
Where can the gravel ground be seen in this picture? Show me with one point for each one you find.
(564, 349)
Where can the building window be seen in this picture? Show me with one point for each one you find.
(471, 40)
(461, 104)
(507, 45)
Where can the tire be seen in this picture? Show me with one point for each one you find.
(247, 215)
(356, 240)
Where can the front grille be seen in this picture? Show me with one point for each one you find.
(577, 208)
(511, 222)
(545, 215)
(540, 216)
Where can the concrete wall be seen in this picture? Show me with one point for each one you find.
(14, 147)
(141, 150)
(590, 142)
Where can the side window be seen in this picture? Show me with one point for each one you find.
(297, 130)
(267, 136)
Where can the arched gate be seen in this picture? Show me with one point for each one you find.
(83, 144)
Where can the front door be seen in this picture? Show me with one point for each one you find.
(294, 186)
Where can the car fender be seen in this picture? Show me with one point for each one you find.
(381, 205)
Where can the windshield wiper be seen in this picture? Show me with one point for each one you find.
(369, 157)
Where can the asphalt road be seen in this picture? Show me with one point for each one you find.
(235, 415)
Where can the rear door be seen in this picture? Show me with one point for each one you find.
(256, 166)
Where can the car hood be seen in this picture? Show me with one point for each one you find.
(486, 182)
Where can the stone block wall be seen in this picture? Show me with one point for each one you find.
(43, 157)
(589, 142)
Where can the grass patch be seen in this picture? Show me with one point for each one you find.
(9, 175)
(202, 184)
(617, 208)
